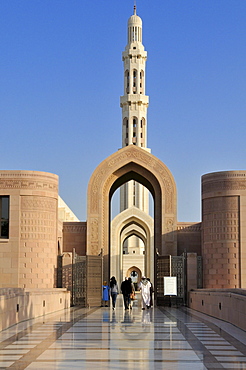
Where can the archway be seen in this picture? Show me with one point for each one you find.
(131, 221)
(129, 163)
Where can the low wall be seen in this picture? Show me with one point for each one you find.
(225, 304)
(18, 305)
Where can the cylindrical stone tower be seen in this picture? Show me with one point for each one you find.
(224, 229)
(28, 242)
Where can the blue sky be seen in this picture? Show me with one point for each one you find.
(62, 76)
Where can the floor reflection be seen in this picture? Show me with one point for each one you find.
(158, 338)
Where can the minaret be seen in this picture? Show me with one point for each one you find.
(134, 104)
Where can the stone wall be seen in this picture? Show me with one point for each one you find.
(228, 305)
(74, 236)
(18, 305)
(189, 237)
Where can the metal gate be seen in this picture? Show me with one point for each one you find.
(71, 274)
(82, 276)
(79, 282)
(175, 266)
(171, 266)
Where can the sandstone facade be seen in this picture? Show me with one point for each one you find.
(224, 229)
(29, 254)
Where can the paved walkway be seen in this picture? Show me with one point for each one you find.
(159, 338)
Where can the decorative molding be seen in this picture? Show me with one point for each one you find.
(187, 228)
(74, 228)
(94, 189)
(94, 230)
(38, 218)
(169, 235)
(221, 219)
(221, 185)
(28, 184)
(37, 203)
(223, 203)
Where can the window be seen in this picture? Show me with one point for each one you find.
(127, 81)
(4, 215)
(134, 84)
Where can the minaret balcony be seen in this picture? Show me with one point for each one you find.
(134, 98)
(139, 53)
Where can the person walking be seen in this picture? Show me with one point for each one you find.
(126, 291)
(151, 293)
(114, 291)
(144, 287)
(132, 294)
(105, 294)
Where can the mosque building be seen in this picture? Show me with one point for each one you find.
(41, 239)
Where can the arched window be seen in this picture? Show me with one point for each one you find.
(127, 81)
(134, 78)
(125, 122)
(125, 129)
(141, 82)
(134, 33)
(134, 130)
(134, 81)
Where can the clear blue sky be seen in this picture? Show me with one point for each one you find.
(62, 76)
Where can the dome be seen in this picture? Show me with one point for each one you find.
(134, 20)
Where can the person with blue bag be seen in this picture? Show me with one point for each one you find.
(105, 294)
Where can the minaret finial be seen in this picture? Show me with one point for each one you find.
(135, 8)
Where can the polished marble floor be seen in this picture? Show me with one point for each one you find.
(100, 338)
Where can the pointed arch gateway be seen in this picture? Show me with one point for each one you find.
(131, 221)
(129, 163)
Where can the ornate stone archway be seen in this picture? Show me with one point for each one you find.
(131, 221)
(130, 163)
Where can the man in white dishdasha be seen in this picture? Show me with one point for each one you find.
(144, 287)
